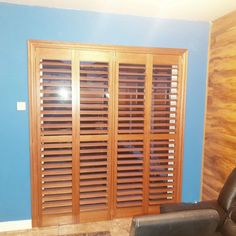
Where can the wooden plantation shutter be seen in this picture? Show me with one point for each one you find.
(129, 189)
(95, 134)
(164, 137)
(106, 131)
(55, 160)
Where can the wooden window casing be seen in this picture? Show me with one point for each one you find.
(106, 130)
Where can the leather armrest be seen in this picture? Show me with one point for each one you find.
(213, 204)
(184, 223)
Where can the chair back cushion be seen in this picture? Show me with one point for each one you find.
(227, 197)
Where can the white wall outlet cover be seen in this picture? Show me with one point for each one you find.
(21, 106)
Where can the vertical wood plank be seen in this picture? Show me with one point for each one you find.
(147, 127)
(34, 133)
(36, 110)
(115, 131)
(182, 64)
(75, 134)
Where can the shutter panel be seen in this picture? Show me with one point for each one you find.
(130, 160)
(95, 146)
(56, 160)
(93, 176)
(55, 83)
(55, 99)
(131, 73)
(94, 97)
(131, 98)
(163, 176)
(164, 99)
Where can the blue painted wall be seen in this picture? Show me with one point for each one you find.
(19, 24)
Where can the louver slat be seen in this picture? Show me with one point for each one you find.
(56, 156)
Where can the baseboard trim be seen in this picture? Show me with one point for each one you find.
(15, 225)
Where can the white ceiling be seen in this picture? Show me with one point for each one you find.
(204, 10)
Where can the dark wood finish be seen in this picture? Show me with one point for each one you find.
(220, 128)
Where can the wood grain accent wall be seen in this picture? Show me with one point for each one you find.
(220, 126)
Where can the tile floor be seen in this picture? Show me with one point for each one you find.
(117, 227)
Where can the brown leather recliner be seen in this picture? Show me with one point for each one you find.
(206, 218)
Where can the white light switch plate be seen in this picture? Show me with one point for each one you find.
(20, 106)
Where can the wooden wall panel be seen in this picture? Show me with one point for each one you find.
(220, 126)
